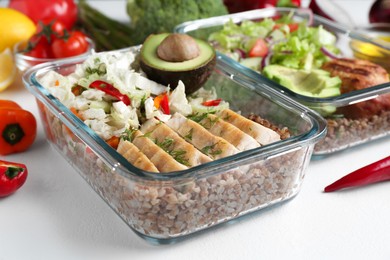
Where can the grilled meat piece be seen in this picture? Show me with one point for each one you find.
(229, 132)
(358, 74)
(212, 145)
(163, 161)
(135, 156)
(172, 143)
(261, 134)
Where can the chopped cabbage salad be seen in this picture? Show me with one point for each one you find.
(98, 90)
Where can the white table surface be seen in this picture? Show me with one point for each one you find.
(56, 215)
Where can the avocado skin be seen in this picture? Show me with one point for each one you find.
(193, 79)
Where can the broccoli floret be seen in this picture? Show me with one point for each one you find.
(157, 16)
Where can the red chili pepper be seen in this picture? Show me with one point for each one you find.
(212, 103)
(372, 173)
(12, 177)
(110, 90)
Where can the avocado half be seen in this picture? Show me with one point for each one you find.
(193, 73)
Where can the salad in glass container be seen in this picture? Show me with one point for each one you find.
(310, 59)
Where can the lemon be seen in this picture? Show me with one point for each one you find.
(7, 69)
(14, 27)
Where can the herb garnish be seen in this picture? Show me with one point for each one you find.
(210, 150)
(188, 136)
(178, 155)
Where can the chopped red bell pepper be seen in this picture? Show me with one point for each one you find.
(12, 177)
(162, 101)
(109, 89)
(372, 173)
(212, 103)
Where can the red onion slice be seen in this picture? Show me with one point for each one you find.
(310, 14)
(241, 53)
(328, 53)
(265, 60)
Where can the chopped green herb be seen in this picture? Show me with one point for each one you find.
(127, 135)
(227, 117)
(188, 136)
(199, 116)
(100, 70)
(178, 155)
(210, 150)
(165, 144)
(209, 122)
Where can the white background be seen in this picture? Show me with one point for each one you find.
(56, 215)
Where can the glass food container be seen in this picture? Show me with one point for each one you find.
(166, 207)
(344, 131)
(23, 61)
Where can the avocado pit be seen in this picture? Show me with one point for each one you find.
(177, 48)
(170, 58)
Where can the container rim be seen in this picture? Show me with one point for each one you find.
(119, 164)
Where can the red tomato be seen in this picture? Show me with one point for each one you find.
(52, 28)
(38, 10)
(259, 49)
(75, 44)
(40, 48)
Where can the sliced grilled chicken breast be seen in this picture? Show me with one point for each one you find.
(212, 145)
(161, 159)
(260, 133)
(135, 156)
(175, 145)
(229, 132)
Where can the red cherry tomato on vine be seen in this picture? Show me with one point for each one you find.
(64, 11)
(75, 44)
(51, 28)
(40, 48)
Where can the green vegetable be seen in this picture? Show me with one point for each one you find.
(304, 48)
(234, 36)
(158, 16)
(107, 33)
(300, 49)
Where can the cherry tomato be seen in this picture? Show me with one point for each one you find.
(259, 49)
(75, 44)
(38, 10)
(39, 47)
(51, 28)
